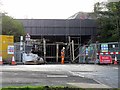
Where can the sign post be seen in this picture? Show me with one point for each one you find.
(21, 47)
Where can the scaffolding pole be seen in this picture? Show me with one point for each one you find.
(57, 51)
(73, 54)
(70, 47)
(44, 48)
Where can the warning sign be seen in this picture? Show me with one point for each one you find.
(10, 49)
(27, 37)
(105, 59)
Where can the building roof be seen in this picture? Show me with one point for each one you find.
(83, 15)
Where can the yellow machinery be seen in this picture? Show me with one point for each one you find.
(6, 42)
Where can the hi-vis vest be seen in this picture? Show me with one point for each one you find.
(62, 53)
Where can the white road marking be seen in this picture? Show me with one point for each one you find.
(76, 74)
(92, 73)
(61, 76)
(81, 76)
(115, 67)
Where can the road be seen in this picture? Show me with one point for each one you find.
(78, 75)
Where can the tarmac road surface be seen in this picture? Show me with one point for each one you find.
(78, 75)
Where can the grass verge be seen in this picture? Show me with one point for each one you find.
(48, 88)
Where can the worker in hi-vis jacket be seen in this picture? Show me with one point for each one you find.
(62, 55)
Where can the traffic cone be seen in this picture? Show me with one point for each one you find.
(115, 62)
(13, 60)
(1, 62)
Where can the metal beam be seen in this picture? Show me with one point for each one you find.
(57, 51)
(70, 47)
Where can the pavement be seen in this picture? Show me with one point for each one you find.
(89, 85)
(77, 75)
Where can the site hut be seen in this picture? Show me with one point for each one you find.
(54, 34)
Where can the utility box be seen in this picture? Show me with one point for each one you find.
(6, 47)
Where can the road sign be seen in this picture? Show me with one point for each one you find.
(105, 59)
(27, 37)
(104, 47)
(86, 51)
(10, 49)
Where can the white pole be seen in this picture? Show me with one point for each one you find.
(21, 47)
(21, 43)
(44, 47)
(73, 50)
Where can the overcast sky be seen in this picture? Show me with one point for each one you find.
(46, 9)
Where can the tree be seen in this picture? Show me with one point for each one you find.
(11, 26)
(108, 16)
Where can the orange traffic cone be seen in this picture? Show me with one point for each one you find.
(13, 60)
(1, 62)
(115, 62)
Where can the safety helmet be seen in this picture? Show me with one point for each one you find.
(63, 47)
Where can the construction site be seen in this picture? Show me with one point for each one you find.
(46, 38)
(59, 44)
(50, 36)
